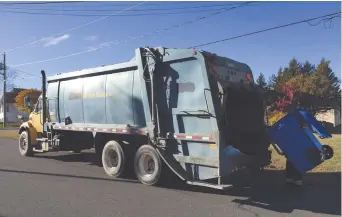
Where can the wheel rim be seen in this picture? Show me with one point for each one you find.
(112, 159)
(147, 165)
(23, 144)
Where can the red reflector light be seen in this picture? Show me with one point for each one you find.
(217, 75)
(249, 75)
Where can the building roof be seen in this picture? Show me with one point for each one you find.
(10, 96)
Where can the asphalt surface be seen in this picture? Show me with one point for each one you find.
(65, 184)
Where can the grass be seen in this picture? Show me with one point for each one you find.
(9, 126)
(332, 165)
(5, 134)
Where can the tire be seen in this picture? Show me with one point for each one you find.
(148, 165)
(113, 159)
(25, 146)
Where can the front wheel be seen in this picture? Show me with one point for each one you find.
(25, 146)
(148, 165)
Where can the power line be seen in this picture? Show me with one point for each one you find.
(67, 2)
(109, 44)
(331, 16)
(21, 71)
(147, 9)
(127, 15)
(40, 3)
(74, 28)
(117, 15)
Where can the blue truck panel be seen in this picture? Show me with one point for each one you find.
(94, 99)
(119, 99)
(103, 99)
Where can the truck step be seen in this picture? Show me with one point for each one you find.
(38, 150)
(208, 185)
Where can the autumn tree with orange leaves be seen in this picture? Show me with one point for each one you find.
(20, 99)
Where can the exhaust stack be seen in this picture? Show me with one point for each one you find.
(44, 96)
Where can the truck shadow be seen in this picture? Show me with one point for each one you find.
(84, 157)
(321, 192)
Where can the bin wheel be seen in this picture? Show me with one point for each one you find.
(25, 146)
(328, 152)
(113, 159)
(148, 165)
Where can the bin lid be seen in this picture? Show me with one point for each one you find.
(316, 126)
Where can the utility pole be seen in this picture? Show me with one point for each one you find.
(4, 90)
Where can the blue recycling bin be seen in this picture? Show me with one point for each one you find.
(293, 134)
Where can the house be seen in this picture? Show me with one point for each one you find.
(11, 110)
(330, 116)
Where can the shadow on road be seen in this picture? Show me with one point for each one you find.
(320, 194)
(84, 157)
(68, 176)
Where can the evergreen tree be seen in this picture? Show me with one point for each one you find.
(261, 81)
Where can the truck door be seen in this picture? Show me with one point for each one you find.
(37, 116)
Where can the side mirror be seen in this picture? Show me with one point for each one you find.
(27, 101)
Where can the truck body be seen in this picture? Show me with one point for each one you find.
(199, 114)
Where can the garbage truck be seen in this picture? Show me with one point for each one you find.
(181, 111)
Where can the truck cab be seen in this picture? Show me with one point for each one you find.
(32, 129)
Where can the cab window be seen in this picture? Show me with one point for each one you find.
(38, 106)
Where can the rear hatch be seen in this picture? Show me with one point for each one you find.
(244, 125)
(240, 106)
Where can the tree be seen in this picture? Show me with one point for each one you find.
(307, 68)
(312, 87)
(261, 81)
(20, 99)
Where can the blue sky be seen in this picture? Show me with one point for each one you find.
(265, 52)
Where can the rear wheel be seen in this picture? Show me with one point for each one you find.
(25, 146)
(113, 159)
(148, 165)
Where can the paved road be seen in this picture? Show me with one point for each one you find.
(64, 184)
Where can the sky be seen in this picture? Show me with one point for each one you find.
(265, 52)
